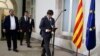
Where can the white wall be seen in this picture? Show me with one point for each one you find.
(41, 8)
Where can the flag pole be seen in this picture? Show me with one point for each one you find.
(89, 53)
(77, 52)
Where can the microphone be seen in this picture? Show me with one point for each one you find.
(60, 14)
(54, 29)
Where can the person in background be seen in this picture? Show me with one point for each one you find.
(31, 28)
(11, 27)
(24, 28)
(46, 25)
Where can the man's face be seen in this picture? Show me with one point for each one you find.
(50, 16)
(30, 15)
(11, 12)
(26, 14)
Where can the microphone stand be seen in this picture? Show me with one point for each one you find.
(54, 30)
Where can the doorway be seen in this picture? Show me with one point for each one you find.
(3, 13)
(5, 6)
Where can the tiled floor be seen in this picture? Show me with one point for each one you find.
(34, 51)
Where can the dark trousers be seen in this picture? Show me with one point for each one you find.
(28, 36)
(18, 35)
(42, 44)
(2, 35)
(11, 35)
(46, 49)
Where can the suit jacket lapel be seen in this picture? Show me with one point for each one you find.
(48, 21)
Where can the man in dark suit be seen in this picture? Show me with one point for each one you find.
(46, 25)
(10, 27)
(31, 28)
(24, 28)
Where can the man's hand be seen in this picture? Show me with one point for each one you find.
(4, 30)
(52, 32)
(48, 30)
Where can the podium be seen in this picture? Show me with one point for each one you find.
(53, 35)
(54, 30)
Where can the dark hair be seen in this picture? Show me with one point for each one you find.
(11, 10)
(50, 12)
(26, 12)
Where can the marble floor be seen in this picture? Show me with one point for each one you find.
(34, 51)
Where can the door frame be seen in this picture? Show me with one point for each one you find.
(1, 13)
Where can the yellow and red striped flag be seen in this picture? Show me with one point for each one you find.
(78, 28)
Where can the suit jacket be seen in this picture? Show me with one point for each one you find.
(7, 23)
(24, 24)
(46, 24)
(31, 24)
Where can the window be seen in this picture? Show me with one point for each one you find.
(66, 16)
(74, 10)
(69, 16)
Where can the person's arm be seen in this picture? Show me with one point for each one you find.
(53, 25)
(4, 24)
(17, 22)
(53, 22)
(33, 24)
(20, 24)
(42, 25)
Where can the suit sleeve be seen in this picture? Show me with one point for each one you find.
(54, 22)
(42, 25)
(33, 25)
(4, 23)
(17, 22)
(20, 23)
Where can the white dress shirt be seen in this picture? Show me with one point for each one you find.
(25, 17)
(30, 20)
(13, 23)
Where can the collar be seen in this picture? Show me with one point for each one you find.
(11, 16)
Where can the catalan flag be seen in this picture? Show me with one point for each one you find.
(78, 29)
(91, 29)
